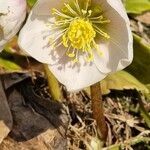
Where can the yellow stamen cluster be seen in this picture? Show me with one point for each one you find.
(80, 35)
(78, 25)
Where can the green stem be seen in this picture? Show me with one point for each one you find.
(131, 142)
(98, 113)
(53, 84)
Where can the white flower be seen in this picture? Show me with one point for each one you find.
(81, 40)
(12, 14)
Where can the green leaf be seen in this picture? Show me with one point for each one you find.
(122, 80)
(31, 2)
(137, 6)
(9, 65)
(140, 67)
(148, 86)
(119, 81)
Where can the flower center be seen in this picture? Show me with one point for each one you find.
(80, 35)
(77, 26)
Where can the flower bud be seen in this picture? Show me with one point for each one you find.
(12, 14)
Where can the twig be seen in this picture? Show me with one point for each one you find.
(132, 141)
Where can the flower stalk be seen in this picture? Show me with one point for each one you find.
(98, 112)
(54, 88)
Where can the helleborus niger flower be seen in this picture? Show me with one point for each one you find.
(82, 41)
(12, 14)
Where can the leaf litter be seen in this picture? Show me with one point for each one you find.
(30, 101)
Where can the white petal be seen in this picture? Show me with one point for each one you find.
(43, 7)
(35, 35)
(76, 77)
(2, 44)
(118, 51)
(34, 40)
(1, 48)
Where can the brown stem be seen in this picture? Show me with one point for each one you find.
(98, 113)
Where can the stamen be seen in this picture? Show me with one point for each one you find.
(85, 9)
(56, 27)
(79, 26)
(61, 21)
(89, 13)
(84, 12)
(70, 9)
(89, 56)
(76, 3)
(100, 53)
(58, 37)
(59, 44)
(101, 21)
(75, 60)
(61, 14)
(96, 18)
(98, 30)
(53, 42)
(87, 4)
(70, 54)
(80, 33)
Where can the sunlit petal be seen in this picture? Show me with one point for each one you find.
(76, 76)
